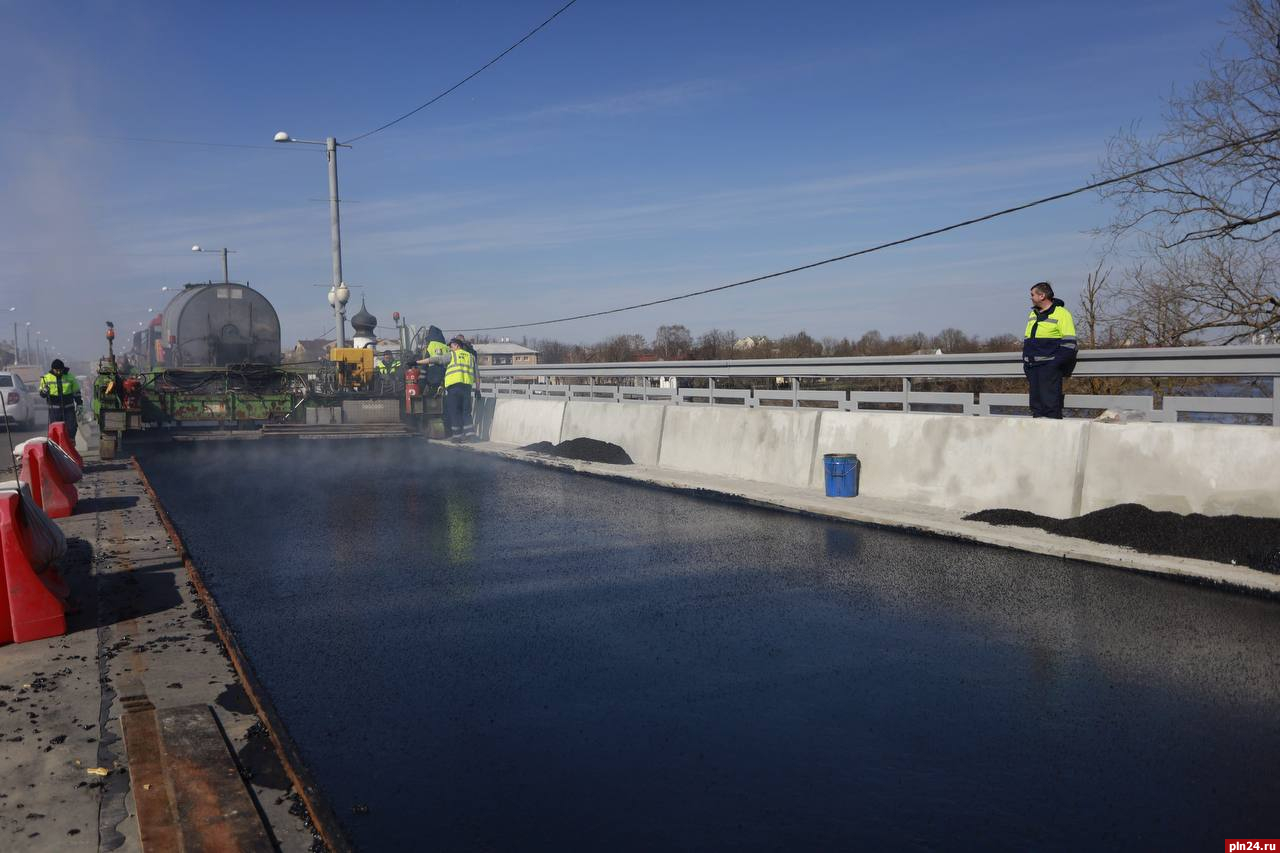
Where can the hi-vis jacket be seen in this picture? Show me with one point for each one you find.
(462, 368)
(1050, 337)
(60, 390)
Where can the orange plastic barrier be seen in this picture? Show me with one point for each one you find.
(52, 487)
(58, 435)
(31, 590)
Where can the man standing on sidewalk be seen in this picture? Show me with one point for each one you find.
(1048, 351)
(61, 391)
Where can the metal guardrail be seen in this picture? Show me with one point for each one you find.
(581, 381)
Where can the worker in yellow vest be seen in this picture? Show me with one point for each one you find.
(1049, 350)
(459, 385)
(433, 375)
(389, 365)
(62, 392)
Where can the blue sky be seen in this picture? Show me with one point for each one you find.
(629, 151)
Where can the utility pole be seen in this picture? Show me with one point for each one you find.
(335, 235)
(339, 290)
(226, 274)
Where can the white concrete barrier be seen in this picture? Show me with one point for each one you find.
(957, 462)
(636, 428)
(522, 422)
(770, 445)
(1055, 468)
(1207, 468)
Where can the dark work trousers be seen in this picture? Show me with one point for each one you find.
(56, 413)
(1046, 389)
(457, 409)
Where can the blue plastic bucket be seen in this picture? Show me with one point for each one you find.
(841, 474)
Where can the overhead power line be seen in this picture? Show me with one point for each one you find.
(1262, 137)
(464, 80)
(150, 140)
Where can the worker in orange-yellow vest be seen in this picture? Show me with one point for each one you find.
(459, 385)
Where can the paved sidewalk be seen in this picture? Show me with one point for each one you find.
(138, 628)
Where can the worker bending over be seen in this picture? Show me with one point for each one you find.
(1048, 351)
(62, 393)
(433, 375)
(459, 385)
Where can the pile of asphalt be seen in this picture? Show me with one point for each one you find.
(585, 449)
(1245, 541)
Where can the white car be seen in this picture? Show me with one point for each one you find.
(20, 401)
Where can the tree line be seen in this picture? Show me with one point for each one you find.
(677, 343)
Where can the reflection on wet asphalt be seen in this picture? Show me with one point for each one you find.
(491, 655)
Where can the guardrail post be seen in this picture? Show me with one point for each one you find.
(795, 393)
(711, 391)
(906, 394)
(1275, 401)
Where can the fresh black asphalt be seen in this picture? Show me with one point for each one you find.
(478, 654)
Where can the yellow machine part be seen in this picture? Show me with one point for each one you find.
(355, 366)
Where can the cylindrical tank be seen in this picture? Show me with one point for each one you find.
(213, 325)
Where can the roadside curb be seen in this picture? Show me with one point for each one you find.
(930, 523)
(322, 815)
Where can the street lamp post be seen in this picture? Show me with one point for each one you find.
(226, 275)
(331, 146)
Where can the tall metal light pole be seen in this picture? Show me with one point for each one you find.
(331, 146)
(226, 276)
(15, 337)
(28, 341)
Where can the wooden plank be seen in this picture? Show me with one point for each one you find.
(157, 819)
(214, 810)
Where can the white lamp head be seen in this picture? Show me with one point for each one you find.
(344, 293)
(282, 137)
(332, 299)
(195, 248)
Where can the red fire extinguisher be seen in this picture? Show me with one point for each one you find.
(410, 387)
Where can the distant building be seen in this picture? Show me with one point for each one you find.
(316, 349)
(505, 353)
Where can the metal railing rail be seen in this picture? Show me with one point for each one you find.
(582, 381)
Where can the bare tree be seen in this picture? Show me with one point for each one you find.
(714, 345)
(551, 351)
(1217, 292)
(799, 345)
(620, 348)
(672, 342)
(1228, 194)
(1206, 228)
(953, 340)
(1096, 328)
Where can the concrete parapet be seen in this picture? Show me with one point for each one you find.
(1207, 468)
(959, 463)
(636, 429)
(1054, 468)
(751, 444)
(522, 422)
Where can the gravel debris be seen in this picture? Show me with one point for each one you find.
(584, 449)
(1237, 539)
